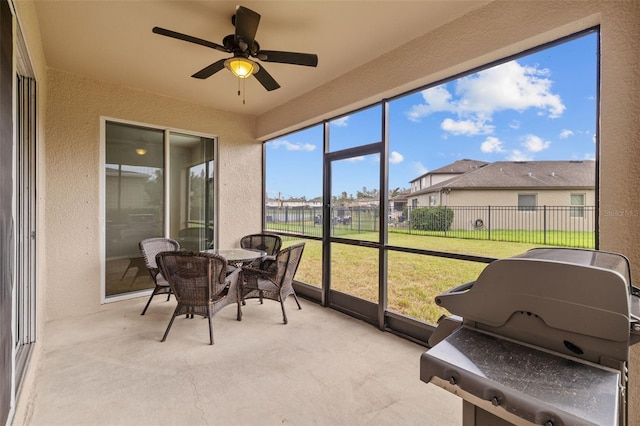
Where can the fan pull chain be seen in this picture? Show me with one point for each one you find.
(243, 89)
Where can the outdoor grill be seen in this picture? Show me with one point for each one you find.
(539, 338)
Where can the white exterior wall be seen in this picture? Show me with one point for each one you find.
(554, 197)
(497, 209)
(430, 180)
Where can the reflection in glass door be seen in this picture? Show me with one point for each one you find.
(192, 191)
(355, 226)
(153, 192)
(134, 194)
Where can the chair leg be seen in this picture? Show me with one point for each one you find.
(149, 301)
(169, 326)
(210, 325)
(239, 298)
(284, 314)
(296, 298)
(239, 316)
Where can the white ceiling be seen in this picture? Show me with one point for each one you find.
(112, 41)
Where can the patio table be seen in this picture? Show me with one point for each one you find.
(238, 256)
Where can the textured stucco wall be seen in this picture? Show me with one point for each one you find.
(73, 149)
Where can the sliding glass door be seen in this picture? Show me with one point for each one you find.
(158, 183)
(191, 189)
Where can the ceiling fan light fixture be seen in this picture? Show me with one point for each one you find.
(141, 151)
(241, 67)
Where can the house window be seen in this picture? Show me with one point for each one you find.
(577, 205)
(526, 202)
(432, 200)
(414, 203)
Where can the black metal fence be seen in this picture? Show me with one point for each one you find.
(572, 226)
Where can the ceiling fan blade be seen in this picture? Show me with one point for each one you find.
(306, 59)
(246, 22)
(210, 70)
(190, 39)
(266, 80)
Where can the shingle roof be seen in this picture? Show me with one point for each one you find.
(457, 167)
(523, 174)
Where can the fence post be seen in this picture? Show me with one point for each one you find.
(351, 216)
(489, 224)
(544, 224)
(375, 221)
(286, 217)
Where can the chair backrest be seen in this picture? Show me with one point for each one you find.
(266, 242)
(195, 277)
(152, 246)
(287, 261)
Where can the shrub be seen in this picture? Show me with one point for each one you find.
(432, 218)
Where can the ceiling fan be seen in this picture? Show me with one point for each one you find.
(242, 45)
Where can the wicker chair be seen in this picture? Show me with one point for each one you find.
(268, 243)
(201, 285)
(149, 249)
(276, 282)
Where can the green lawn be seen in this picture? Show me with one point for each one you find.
(582, 239)
(413, 280)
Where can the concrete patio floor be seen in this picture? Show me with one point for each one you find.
(323, 368)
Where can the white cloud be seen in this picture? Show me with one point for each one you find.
(534, 143)
(436, 99)
(419, 168)
(355, 159)
(565, 133)
(291, 146)
(491, 144)
(509, 86)
(396, 158)
(341, 122)
(515, 124)
(466, 127)
(517, 155)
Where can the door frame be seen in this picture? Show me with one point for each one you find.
(365, 310)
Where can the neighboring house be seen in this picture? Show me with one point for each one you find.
(293, 202)
(445, 173)
(522, 186)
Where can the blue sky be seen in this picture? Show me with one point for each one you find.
(537, 107)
